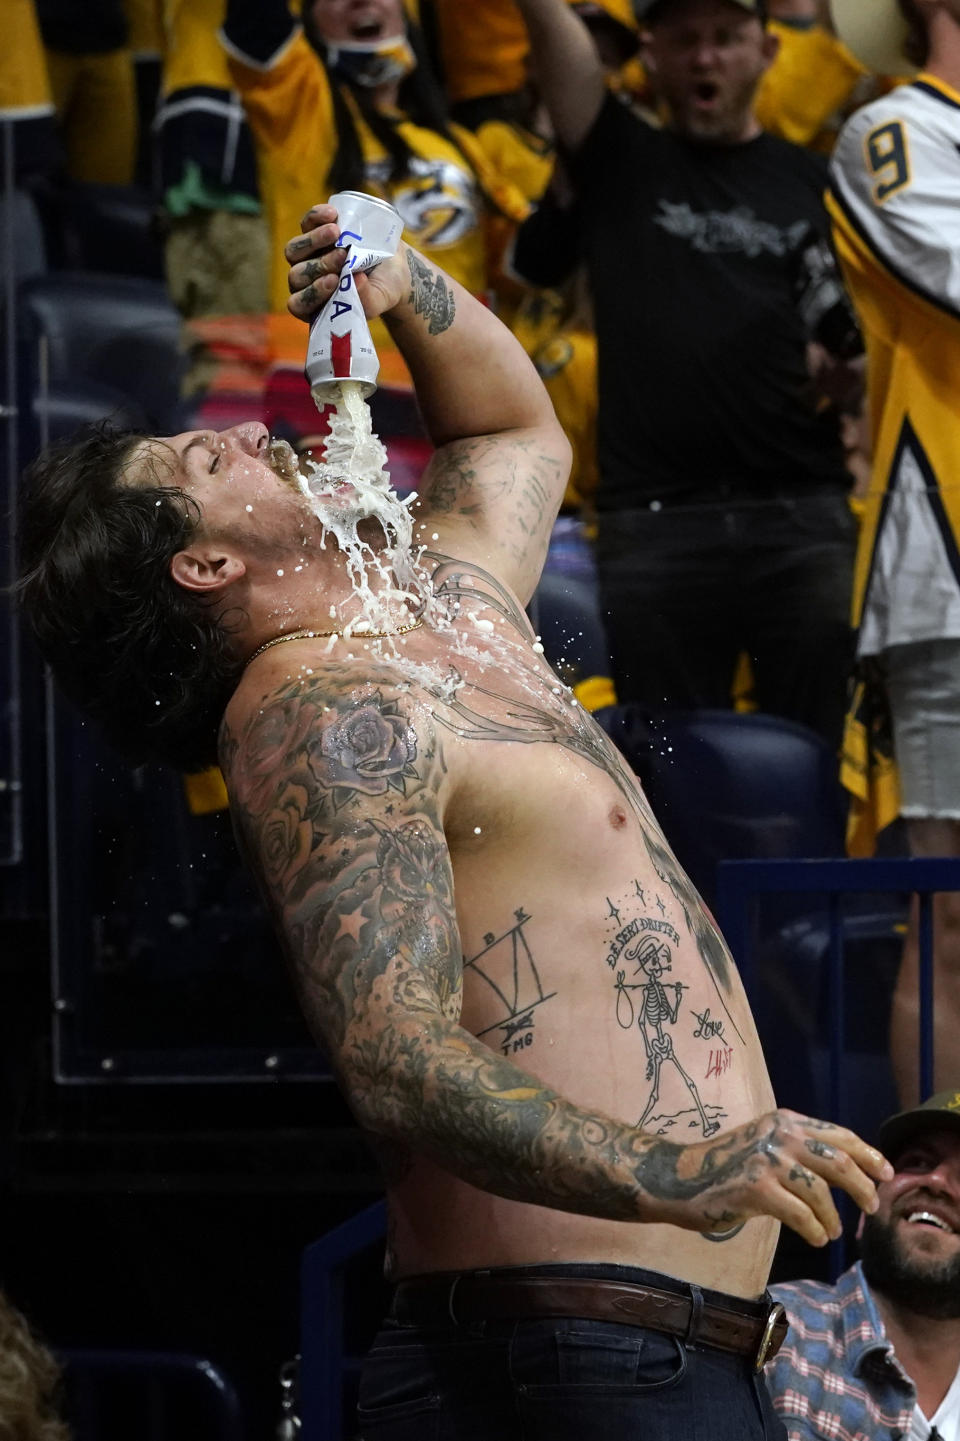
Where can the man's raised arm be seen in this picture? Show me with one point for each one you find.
(569, 74)
(497, 479)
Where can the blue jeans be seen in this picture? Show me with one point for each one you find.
(558, 1380)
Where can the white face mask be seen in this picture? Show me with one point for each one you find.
(373, 64)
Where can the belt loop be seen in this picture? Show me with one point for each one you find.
(696, 1316)
(450, 1295)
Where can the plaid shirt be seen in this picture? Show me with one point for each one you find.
(836, 1376)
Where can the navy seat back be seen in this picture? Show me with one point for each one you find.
(730, 786)
(117, 331)
(113, 228)
(566, 614)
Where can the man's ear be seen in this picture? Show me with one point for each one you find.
(206, 569)
(771, 49)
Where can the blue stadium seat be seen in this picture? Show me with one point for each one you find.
(113, 229)
(730, 786)
(566, 614)
(86, 330)
(58, 413)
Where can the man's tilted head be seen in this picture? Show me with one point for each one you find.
(146, 658)
(910, 1248)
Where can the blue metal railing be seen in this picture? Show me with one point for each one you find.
(321, 1321)
(166, 1384)
(741, 883)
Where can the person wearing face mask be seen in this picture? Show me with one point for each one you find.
(348, 101)
(878, 1354)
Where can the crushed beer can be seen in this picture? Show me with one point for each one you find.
(340, 347)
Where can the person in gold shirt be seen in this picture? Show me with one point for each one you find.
(348, 101)
(26, 101)
(92, 80)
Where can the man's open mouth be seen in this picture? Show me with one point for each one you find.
(706, 93)
(367, 30)
(929, 1218)
(282, 459)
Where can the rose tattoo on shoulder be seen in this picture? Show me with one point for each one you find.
(370, 748)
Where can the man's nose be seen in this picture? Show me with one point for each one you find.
(252, 436)
(704, 55)
(944, 1176)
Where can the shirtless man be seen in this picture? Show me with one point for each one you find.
(488, 932)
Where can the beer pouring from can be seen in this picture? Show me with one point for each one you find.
(340, 349)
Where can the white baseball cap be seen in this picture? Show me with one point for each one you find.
(876, 32)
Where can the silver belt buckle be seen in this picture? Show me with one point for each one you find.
(775, 1316)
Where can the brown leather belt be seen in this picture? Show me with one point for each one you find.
(755, 1329)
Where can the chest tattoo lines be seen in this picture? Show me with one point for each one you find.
(491, 715)
(506, 967)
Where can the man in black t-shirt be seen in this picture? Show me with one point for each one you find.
(723, 518)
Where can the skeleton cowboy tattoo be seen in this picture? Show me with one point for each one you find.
(653, 958)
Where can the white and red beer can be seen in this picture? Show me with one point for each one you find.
(340, 346)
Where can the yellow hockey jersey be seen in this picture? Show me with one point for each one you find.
(812, 78)
(442, 200)
(24, 83)
(894, 200)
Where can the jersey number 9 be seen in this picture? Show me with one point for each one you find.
(888, 159)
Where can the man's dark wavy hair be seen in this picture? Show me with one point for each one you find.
(150, 662)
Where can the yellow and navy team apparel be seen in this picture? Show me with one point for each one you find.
(205, 151)
(92, 81)
(25, 97)
(811, 80)
(483, 48)
(442, 196)
(894, 200)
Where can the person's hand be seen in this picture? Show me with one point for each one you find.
(316, 263)
(781, 1165)
(842, 382)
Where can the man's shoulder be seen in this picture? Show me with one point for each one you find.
(621, 127)
(813, 1302)
(795, 162)
(921, 108)
(826, 1321)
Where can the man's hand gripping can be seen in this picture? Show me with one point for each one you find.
(340, 347)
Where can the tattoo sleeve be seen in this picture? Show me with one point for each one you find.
(336, 792)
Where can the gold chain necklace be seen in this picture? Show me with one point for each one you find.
(325, 634)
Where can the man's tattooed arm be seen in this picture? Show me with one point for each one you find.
(430, 295)
(337, 797)
(497, 478)
(501, 494)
